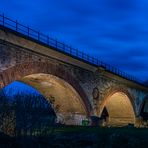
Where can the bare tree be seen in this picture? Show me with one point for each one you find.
(25, 114)
(34, 115)
(7, 116)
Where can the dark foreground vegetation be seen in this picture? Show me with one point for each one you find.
(79, 137)
(29, 121)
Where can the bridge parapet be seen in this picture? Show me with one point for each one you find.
(15, 27)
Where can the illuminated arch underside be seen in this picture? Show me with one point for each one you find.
(70, 108)
(120, 110)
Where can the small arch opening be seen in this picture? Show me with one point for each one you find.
(118, 110)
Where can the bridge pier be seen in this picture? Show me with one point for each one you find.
(94, 120)
(138, 121)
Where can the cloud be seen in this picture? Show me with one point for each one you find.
(112, 30)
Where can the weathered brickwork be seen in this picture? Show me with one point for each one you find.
(94, 87)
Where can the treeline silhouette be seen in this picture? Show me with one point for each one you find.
(26, 115)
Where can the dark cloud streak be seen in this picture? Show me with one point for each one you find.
(112, 30)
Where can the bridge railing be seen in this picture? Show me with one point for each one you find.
(59, 46)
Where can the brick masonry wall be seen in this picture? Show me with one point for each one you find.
(16, 62)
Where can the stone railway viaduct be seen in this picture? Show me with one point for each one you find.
(81, 89)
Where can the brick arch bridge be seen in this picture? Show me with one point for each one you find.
(96, 82)
(19, 71)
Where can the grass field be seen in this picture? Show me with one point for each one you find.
(77, 137)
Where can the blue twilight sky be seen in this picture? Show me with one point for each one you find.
(115, 31)
(17, 87)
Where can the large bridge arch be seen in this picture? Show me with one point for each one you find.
(24, 69)
(118, 104)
